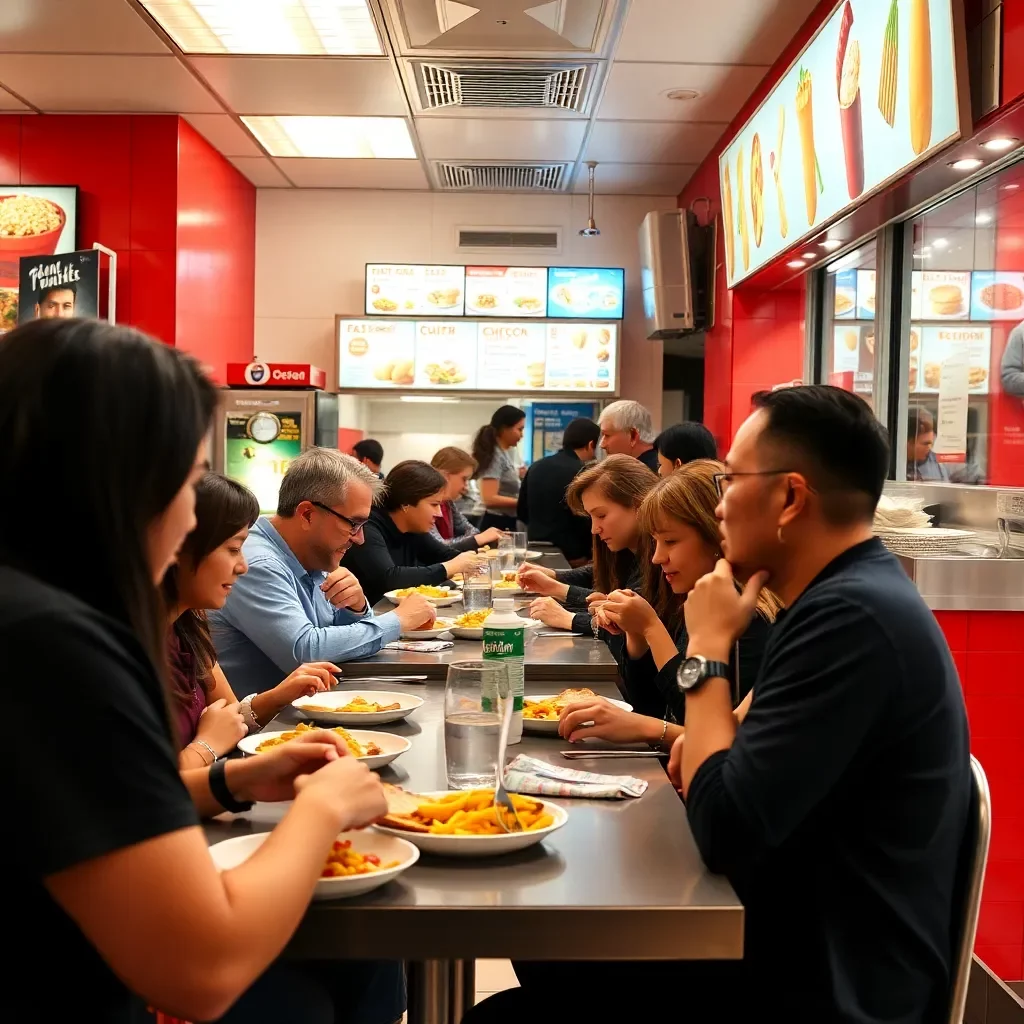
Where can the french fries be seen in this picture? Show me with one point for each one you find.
(920, 76)
(471, 813)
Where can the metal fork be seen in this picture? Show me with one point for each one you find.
(505, 809)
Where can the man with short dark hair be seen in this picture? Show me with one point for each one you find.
(56, 302)
(838, 806)
(542, 496)
(370, 453)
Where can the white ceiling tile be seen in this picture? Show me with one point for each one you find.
(260, 171)
(313, 173)
(660, 142)
(106, 84)
(9, 102)
(75, 26)
(225, 134)
(637, 179)
(636, 92)
(722, 32)
(305, 85)
(499, 139)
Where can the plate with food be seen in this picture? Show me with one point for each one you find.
(470, 626)
(358, 707)
(440, 597)
(374, 749)
(541, 712)
(484, 302)
(357, 863)
(464, 823)
(529, 305)
(439, 627)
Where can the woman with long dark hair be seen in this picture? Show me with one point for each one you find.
(110, 864)
(209, 718)
(497, 470)
(398, 549)
(682, 443)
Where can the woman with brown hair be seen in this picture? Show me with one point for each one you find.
(398, 549)
(499, 473)
(451, 526)
(611, 494)
(679, 516)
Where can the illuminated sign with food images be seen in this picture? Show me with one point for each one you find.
(404, 289)
(872, 95)
(477, 355)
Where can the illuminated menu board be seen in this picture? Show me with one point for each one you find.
(507, 291)
(586, 292)
(873, 94)
(485, 355)
(406, 289)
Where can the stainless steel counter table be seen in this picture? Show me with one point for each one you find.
(622, 880)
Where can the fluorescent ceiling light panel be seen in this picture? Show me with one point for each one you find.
(334, 137)
(285, 27)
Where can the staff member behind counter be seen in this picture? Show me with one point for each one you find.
(497, 469)
(398, 549)
(542, 504)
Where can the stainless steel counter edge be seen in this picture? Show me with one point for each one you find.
(968, 584)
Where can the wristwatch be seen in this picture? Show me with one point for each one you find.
(695, 671)
(246, 711)
(221, 793)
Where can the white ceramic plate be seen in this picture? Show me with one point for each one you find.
(437, 602)
(477, 632)
(532, 555)
(339, 698)
(543, 728)
(440, 626)
(479, 846)
(232, 852)
(391, 746)
(506, 591)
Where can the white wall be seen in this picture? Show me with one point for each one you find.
(312, 246)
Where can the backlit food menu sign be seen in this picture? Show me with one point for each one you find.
(872, 95)
(485, 355)
(506, 291)
(394, 289)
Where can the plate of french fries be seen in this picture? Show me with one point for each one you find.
(542, 712)
(431, 632)
(439, 597)
(357, 707)
(464, 823)
(374, 749)
(357, 862)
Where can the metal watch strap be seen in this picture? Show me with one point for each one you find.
(245, 708)
(220, 791)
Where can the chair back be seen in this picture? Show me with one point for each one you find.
(967, 894)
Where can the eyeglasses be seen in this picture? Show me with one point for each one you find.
(722, 480)
(355, 525)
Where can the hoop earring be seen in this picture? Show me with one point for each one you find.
(782, 540)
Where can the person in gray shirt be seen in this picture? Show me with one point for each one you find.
(1011, 369)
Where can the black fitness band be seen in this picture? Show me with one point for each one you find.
(220, 791)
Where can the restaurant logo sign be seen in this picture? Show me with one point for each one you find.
(257, 373)
(287, 375)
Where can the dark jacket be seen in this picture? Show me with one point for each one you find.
(542, 505)
(389, 559)
(650, 459)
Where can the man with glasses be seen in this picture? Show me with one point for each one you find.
(296, 604)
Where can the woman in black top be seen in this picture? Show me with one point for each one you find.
(110, 869)
(679, 515)
(398, 548)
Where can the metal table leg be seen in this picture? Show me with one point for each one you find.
(440, 991)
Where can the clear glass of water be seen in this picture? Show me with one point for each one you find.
(476, 590)
(519, 547)
(472, 722)
(506, 552)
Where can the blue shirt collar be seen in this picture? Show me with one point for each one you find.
(267, 532)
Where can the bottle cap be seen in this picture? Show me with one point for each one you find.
(504, 604)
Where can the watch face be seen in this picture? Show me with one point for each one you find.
(263, 427)
(689, 673)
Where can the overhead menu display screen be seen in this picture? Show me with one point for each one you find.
(506, 293)
(485, 355)
(412, 289)
(872, 95)
(586, 292)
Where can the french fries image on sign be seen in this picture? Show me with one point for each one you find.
(757, 189)
(727, 225)
(742, 212)
(920, 76)
(805, 116)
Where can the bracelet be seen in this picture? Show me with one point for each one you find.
(220, 791)
(661, 739)
(196, 744)
(246, 711)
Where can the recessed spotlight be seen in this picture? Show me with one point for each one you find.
(830, 244)
(796, 264)
(999, 145)
(809, 255)
(682, 95)
(941, 243)
(983, 218)
(967, 163)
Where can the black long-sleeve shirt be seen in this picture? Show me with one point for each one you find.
(542, 505)
(389, 559)
(839, 811)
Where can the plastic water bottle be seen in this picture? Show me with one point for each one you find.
(505, 641)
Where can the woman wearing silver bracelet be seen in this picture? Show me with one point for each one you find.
(209, 718)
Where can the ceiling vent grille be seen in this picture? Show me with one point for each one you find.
(480, 177)
(559, 87)
(508, 238)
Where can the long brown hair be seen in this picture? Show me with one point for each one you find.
(686, 496)
(223, 508)
(453, 460)
(485, 444)
(626, 482)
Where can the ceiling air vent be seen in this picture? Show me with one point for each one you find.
(508, 238)
(480, 177)
(509, 86)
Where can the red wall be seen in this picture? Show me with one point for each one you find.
(181, 219)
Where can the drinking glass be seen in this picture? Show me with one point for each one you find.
(473, 699)
(519, 546)
(476, 589)
(506, 552)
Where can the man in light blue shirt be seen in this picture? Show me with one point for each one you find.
(295, 604)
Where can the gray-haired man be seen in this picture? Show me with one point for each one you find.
(295, 604)
(627, 429)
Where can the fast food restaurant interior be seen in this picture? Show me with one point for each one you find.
(540, 235)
